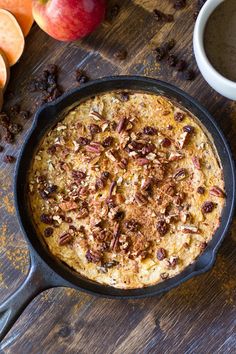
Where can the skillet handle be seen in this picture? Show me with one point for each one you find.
(40, 277)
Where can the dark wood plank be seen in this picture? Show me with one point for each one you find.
(197, 317)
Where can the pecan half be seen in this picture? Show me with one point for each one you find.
(64, 239)
(188, 229)
(142, 161)
(94, 148)
(123, 163)
(217, 192)
(121, 125)
(196, 163)
(140, 198)
(180, 174)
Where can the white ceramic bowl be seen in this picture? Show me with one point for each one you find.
(219, 83)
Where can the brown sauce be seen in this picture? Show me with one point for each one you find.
(220, 39)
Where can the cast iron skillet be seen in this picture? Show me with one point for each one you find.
(46, 271)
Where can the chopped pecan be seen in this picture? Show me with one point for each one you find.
(116, 235)
(64, 239)
(208, 207)
(82, 213)
(162, 227)
(161, 254)
(188, 229)
(147, 183)
(112, 188)
(52, 150)
(142, 161)
(164, 276)
(173, 261)
(97, 115)
(175, 156)
(123, 163)
(217, 192)
(149, 130)
(121, 125)
(180, 174)
(140, 198)
(183, 139)
(110, 155)
(67, 206)
(102, 181)
(94, 148)
(203, 245)
(148, 148)
(196, 162)
(133, 225)
(110, 264)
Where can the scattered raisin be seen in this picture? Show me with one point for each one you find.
(161, 254)
(208, 207)
(48, 232)
(188, 129)
(181, 65)
(78, 175)
(162, 227)
(166, 142)
(51, 150)
(9, 159)
(94, 129)
(83, 141)
(105, 175)
(124, 96)
(179, 116)
(189, 75)
(121, 54)
(119, 215)
(179, 4)
(46, 219)
(149, 130)
(81, 77)
(108, 142)
(201, 190)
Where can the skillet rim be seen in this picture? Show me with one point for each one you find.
(202, 264)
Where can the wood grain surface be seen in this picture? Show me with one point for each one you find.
(198, 316)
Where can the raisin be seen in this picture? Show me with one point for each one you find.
(81, 77)
(166, 142)
(124, 97)
(201, 190)
(48, 232)
(189, 75)
(188, 129)
(119, 215)
(181, 65)
(108, 142)
(52, 189)
(78, 175)
(83, 141)
(148, 148)
(132, 225)
(179, 116)
(179, 4)
(51, 150)
(46, 219)
(94, 129)
(162, 227)
(9, 159)
(172, 60)
(149, 130)
(121, 54)
(161, 254)
(208, 207)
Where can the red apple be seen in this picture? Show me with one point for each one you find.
(68, 20)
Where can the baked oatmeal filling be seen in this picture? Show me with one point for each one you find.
(127, 189)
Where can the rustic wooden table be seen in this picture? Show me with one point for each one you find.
(198, 316)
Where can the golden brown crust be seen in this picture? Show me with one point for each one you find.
(127, 192)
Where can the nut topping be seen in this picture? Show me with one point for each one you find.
(180, 174)
(64, 239)
(196, 163)
(161, 254)
(217, 192)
